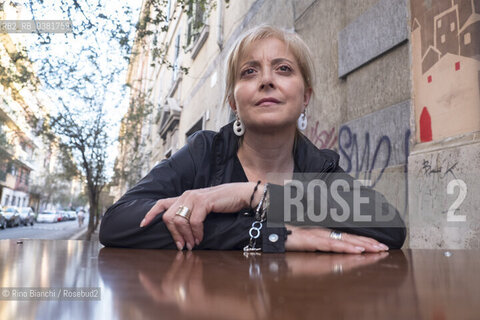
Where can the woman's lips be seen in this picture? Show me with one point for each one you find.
(267, 101)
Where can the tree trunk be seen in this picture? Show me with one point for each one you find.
(97, 219)
(93, 200)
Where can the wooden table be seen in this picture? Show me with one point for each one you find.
(163, 284)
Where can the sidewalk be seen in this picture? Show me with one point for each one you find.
(82, 234)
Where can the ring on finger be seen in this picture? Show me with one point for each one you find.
(335, 235)
(184, 212)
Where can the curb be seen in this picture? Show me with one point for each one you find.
(80, 234)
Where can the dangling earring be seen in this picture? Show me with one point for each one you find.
(238, 127)
(302, 121)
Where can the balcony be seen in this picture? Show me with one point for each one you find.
(24, 158)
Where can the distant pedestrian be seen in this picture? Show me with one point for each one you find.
(81, 217)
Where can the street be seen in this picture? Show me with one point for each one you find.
(59, 230)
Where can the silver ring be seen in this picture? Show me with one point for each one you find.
(335, 235)
(184, 212)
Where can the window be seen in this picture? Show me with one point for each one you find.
(13, 200)
(467, 38)
(169, 8)
(175, 58)
(196, 127)
(196, 21)
(7, 197)
(12, 169)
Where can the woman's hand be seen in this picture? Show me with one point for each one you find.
(318, 239)
(229, 197)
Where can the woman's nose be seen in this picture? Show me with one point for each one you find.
(267, 80)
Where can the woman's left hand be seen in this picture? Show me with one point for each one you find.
(227, 198)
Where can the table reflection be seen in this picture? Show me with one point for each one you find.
(229, 285)
(48, 264)
(162, 284)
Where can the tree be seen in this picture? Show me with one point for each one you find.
(88, 140)
(53, 185)
(131, 142)
(82, 72)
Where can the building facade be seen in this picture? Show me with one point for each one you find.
(18, 141)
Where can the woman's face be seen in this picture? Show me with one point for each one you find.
(269, 92)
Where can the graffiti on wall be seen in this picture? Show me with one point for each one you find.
(374, 142)
(322, 139)
(380, 140)
(445, 36)
(430, 169)
(362, 158)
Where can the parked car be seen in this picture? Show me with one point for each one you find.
(13, 216)
(3, 221)
(47, 216)
(62, 216)
(27, 216)
(71, 215)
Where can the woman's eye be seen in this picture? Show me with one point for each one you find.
(285, 68)
(247, 71)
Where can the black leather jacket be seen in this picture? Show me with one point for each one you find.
(208, 160)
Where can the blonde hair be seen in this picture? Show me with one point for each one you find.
(294, 43)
